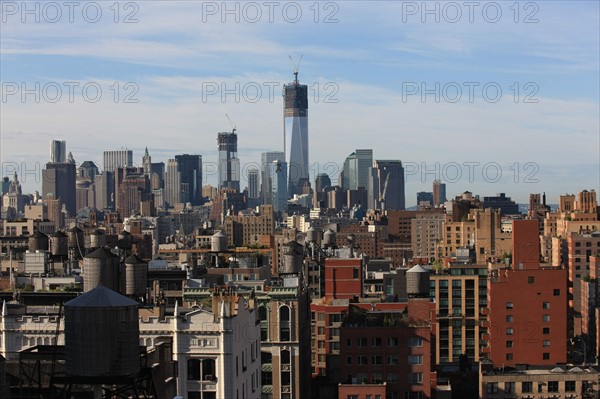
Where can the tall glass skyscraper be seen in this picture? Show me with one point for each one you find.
(279, 182)
(295, 124)
(267, 159)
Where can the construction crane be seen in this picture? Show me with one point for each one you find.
(296, 67)
(233, 126)
(385, 187)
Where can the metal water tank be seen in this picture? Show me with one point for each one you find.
(75, 235)
(292, 258)
(312, 235)
(38, 241)
(101, 267)
(102, 335)
(59, 244)
(136, 276)
(97, 239)
(218, 242)
(417, 281)
(125, 240)
(329, 238)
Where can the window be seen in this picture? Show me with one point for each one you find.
(193, 369)
(352, 397)
(355, 273)
(546, 330)
(530, 280)
(415, 378)
(552, 386)
(527, 387)
(509, 319)
(570, 386)
(285, 357)
(546, 305)
(392, 359)
(509, 344)
(509, 331)
(556, 292)
(546, 356)
(509, 387)
(492, 387)
(546, 344)
(509, 305)
(393, 341)
(415, 359)
(392, 378)
(362, 360)
(376, 341)
(546, 318)
(361, 342)
(285, 323)
(376, 359)
(509, 356)
(415, 342)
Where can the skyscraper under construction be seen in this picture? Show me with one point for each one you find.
(229, 164)
(295, 125)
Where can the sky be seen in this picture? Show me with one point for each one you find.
(489, 97)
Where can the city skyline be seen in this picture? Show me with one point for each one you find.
(358, 83)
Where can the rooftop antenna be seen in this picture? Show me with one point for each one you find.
(296, 66)
(233, 126)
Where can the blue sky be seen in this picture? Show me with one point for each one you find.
(365, 62)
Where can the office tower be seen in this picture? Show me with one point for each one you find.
(58, 182)
(87, 170)
(295, 120)
(386, 185)
(322, 182)
(105, 190)
(253, 191)
(190, 172)
(147, 162)
(502, 202)
(279, 193)
(424, 198)
(439, 192)
(229, 164)
(356, 169)
(267, 158)
(5, 185)
(117, 159)
(172, 183)
(58, 151)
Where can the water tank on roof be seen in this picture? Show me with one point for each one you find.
(125, 240)
(59, 244)
(292, 258)
(97, 239)
(136, 276)
(218, 242)
(102, 335)
(75, 236)
(417, 281)
(329, 238)
(38, 241)
(312, 235)
(101, 267)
